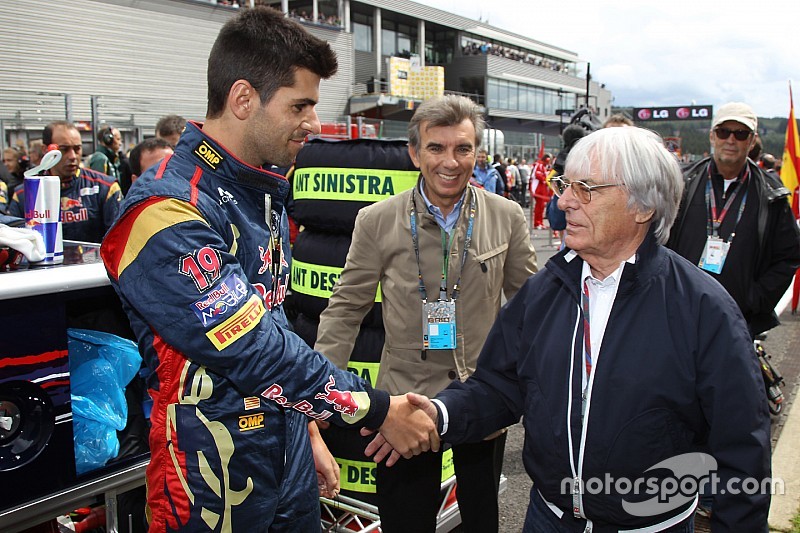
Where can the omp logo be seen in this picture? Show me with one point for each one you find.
(208, 155)
(242, 321)
(251, 422)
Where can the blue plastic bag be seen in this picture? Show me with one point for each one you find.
(101, 366)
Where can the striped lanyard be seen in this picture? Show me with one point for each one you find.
(587, 345)
(587, 341)
(715, 218)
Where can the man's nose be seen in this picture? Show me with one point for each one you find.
(450, 161)
(567, 199)
(311, 123)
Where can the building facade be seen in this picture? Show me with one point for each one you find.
(128, 62)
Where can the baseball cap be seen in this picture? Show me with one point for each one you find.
(738, 111)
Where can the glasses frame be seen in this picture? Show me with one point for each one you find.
(724, 133)
(580, 189)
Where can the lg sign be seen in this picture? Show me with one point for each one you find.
(695, 112)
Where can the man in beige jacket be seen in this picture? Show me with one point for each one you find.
(443, 253)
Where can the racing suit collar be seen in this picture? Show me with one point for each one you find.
(212, 156)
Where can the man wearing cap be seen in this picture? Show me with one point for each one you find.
(735, 222)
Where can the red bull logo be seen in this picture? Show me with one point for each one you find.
(68, 217)
(341, 401)
(35, 214)
(275, 393)
(69, 203)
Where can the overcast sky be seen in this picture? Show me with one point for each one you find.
(670, 52)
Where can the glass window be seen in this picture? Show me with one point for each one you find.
(502, 96)
(403, 44)
(539, 105)
(362, 35)
(492, 98)
(388, 42)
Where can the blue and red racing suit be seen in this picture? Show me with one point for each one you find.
(90, 203)
(200, 258)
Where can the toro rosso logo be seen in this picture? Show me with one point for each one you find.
(342, 401)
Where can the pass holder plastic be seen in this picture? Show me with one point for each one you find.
(714, 254)
(439, 325)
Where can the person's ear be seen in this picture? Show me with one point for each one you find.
(242, 99)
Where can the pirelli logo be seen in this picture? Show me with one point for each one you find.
(251, 422)
(244, 320)
(208, 155)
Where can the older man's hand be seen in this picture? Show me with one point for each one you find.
(409, 429)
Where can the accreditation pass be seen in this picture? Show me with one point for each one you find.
(439, 325)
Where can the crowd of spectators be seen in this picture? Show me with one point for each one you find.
(482, 48)
(322, 19)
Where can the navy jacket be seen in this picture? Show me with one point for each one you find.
(676, 374)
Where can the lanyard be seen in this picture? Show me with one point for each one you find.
(715, 219)
(587, 345)
(445, 262)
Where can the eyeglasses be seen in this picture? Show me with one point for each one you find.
(740, 135)
(581, 190)
(64, 148)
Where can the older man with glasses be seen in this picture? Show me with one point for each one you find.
(642, 361)
(89, 199)
(735, 221)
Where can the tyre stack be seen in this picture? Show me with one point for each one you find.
(331, 182)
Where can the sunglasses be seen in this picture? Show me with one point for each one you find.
(581, 190)
(739, 135)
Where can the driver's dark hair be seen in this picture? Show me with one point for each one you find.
(265, 48)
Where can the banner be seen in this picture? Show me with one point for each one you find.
(687, 112)
(791, 152)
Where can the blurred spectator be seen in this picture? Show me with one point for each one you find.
(16, 163)
(89, 199)
(525, 178)
(35, 152)
(755, 151)
(767, 163)
(143, 156)
(169, 128)
(541, 193)
(484, 175)
(500, 167)
(106, 158)
(513, 180)
(617, 120)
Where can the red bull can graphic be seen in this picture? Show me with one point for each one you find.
(43, 214)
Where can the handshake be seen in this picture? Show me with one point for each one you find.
(409, 429)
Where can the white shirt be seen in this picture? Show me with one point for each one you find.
(601, 299)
